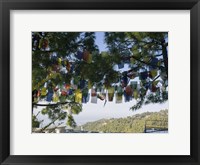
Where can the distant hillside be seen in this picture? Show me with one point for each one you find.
(133, 124)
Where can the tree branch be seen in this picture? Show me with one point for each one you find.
(124, 58)
(50, 123)
(59, 103)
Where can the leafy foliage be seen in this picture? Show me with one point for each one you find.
(61, 61)
(145, 51)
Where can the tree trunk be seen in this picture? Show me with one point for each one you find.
(165, 56)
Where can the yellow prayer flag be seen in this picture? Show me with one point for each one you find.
(43, 91)
(78, 96)
(55, 98)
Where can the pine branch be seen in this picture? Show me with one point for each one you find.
(56, 127)
(125, 58)
(141, 101)
(50, 123)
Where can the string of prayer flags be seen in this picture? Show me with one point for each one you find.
(111, 91)
(78, 96)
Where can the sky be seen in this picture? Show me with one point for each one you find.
(100, 41)
(92, 112)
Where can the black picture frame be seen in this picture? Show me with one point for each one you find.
(7, 5)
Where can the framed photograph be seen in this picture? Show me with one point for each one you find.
(99, 82)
